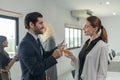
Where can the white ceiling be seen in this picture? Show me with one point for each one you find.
(98, 7)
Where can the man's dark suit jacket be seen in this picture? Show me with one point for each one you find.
(33, 63)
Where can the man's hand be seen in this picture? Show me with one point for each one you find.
(57, 53)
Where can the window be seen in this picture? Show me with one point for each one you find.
(73, 36)
(9, 28)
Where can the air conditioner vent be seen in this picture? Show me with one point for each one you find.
(81, 13)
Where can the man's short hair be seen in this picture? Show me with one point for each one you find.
(31, 17)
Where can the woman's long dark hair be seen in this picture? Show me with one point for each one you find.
(2, 39)
(96, 22)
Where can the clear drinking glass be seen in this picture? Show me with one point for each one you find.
(65, 50)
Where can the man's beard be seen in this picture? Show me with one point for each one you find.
(37, 31)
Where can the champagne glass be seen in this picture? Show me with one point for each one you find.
(65, 50)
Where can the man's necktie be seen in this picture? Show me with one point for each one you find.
(40, 45)
(38, 42)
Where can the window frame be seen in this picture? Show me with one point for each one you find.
(16, 27)
(74, 27)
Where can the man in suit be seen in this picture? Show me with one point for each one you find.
(33, 59)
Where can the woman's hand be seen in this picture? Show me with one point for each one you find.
(4, 70)
(16, 54)
(68, 54)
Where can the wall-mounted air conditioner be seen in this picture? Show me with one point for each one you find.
(81, 13)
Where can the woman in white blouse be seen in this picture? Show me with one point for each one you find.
(92, 61)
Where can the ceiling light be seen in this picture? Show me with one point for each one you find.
(107, 3)
(114, 13)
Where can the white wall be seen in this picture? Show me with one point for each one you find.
(112, 25)
(53, 14)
